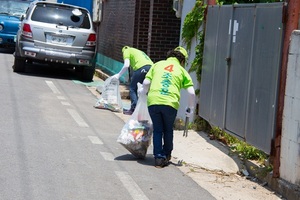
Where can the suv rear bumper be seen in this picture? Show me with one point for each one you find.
(83, 58)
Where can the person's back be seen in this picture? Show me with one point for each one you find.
(168, 78)
(140, 64)
(163, 83)
(136, 57)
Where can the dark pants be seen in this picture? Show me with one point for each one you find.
(163, 118)
(138, 76)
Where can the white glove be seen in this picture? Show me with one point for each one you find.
(188, 112)
(117, 76)
(141, 91)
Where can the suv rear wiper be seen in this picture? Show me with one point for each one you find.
(73, 27)
(61, 25)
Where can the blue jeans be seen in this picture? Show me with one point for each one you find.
(138, 76)
(163, 118)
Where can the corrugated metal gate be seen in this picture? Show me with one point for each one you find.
(240, 72)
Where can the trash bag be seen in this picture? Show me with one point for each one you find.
(110, 96)
(136, 134)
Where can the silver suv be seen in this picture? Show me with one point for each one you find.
(61, 35)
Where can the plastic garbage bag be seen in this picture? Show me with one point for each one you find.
(110, 96)
(136, 134)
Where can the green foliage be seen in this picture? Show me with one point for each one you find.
(249, 152)
(244, 150)
(200, 124)
(193, 22)
(197, 62)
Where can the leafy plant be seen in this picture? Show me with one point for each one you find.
(200, 124)
(244, 150)
(193, 22)
(197, 62)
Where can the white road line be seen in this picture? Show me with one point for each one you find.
(77, 118)
(131, 186)
(107, 156)
(61, 97)
(52, 87)
(95, 140)
(65, 103)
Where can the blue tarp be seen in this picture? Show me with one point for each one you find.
(82, 3)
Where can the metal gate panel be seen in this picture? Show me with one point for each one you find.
(210, 48)
(214, 70)
(240, 95)
(221, 70)
(238, 81)
(264, 76)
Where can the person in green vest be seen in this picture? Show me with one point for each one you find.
(162, 84)
(140, 64)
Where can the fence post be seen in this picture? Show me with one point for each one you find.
(291, 23)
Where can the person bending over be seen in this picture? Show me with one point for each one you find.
(140, 64)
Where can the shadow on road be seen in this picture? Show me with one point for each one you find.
(47, 71)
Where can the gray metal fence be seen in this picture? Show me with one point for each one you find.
(240, 72)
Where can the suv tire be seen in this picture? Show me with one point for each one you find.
(87, 73)
(19, 64)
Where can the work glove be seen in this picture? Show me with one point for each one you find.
(188, 112)
(141, 91)
(117, 76)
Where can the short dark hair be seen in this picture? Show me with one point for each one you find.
(177, 54)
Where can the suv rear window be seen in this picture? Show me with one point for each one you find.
(60, 15)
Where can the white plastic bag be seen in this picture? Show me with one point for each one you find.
(110, 96)
(137, 133)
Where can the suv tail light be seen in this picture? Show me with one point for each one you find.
(27, 31)
(91, 40)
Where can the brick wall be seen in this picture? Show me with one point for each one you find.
(165, 29)
(116, 28)
(142, 25)
(126, 22)
(165, 33)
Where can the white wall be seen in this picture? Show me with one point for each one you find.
(187, 7)
(290, 142)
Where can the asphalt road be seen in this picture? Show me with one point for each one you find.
(56, 146)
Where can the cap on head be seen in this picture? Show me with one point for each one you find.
(182, 51)
(125, 47)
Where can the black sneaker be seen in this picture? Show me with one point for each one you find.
(128, 112)
(160, 162)
(169, 157)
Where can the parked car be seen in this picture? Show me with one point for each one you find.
(61, 35)
(10, 13)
